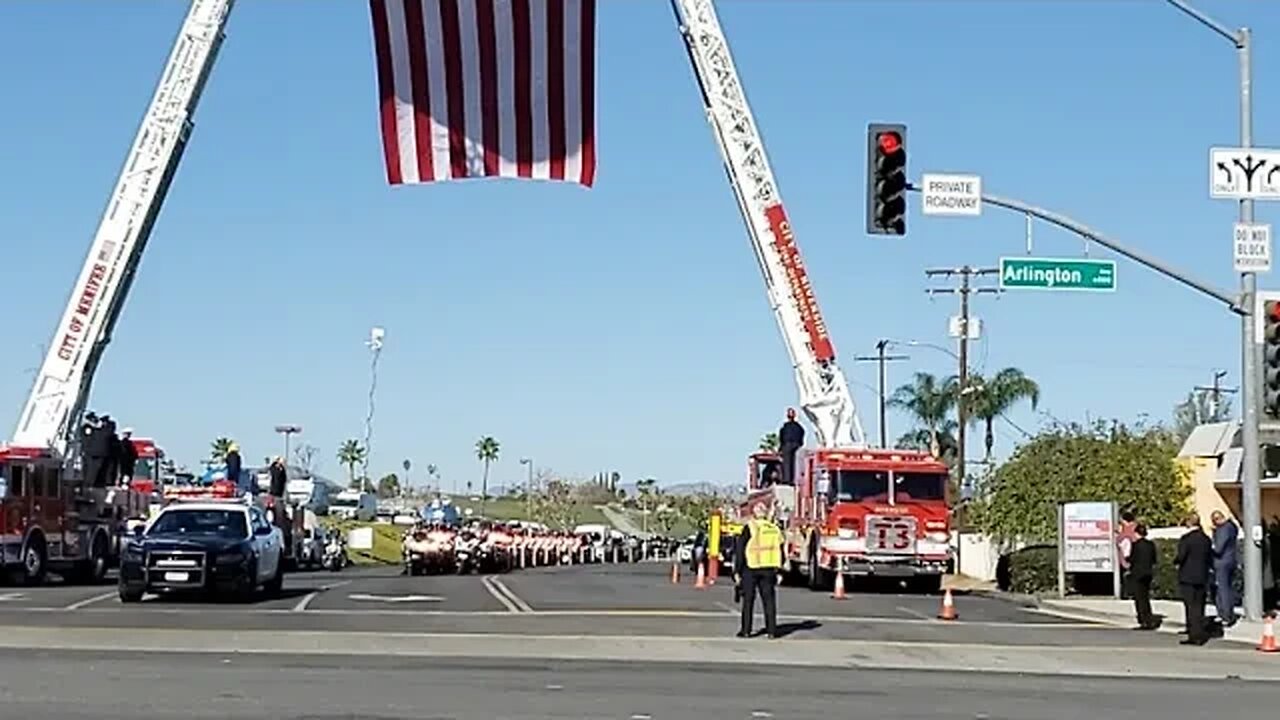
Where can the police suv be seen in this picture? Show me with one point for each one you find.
(224, 546)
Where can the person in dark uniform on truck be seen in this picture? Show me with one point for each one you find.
(790, 440)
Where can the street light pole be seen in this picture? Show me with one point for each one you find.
(286, 431)
(1251, 465)
(528, 489)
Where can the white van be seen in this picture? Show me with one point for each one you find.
(354, 505)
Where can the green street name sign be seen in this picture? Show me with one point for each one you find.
(1031, 273)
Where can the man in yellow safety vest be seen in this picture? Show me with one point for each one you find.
(756, 567)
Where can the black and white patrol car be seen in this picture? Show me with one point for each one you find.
(225, 546)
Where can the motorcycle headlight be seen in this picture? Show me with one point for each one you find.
(232, 558)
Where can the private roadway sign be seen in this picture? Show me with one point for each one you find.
(1032, 273)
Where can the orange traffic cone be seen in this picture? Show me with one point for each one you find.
(701, 582)
(948, 607)
(1268, 643)
(839, 591)
(675, 573)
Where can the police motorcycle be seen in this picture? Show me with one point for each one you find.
(335, 553)
(467, 556)
(418, 549)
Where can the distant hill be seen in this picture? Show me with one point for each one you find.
(685, 488)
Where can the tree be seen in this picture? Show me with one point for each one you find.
(306, 457)
(487, 450)
(648, 496)
(350, 454)
(769, 443)
(995, 396)
(219, 448)
(555, 506)
(923, 439)
(389, 486)
(1134, 467)
(1199, 408)
(433, 474)
(929, 402)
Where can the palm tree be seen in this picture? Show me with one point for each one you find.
(996, 396)
(487, 450)
(769, 442)
(219, 448)
(350, 454)
(929, 402)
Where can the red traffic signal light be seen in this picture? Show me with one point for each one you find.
(889, 142)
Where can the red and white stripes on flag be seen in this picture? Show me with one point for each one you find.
(484, 88)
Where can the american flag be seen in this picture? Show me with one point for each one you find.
(484, 88)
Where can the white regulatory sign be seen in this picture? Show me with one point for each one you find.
(1252, 248)
(1244, 173)
(952, 195)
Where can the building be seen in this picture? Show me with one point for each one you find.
(1212, 455)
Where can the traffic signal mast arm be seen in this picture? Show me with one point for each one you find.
(1232, 302)
(824, 391)
(61, 389)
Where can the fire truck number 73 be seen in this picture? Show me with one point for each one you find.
(893, 535)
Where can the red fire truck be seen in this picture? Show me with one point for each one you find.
(851, 510)
(50, 520)
(862, 512)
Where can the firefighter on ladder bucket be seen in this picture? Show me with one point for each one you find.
(757, 569)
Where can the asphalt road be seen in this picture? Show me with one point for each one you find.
(594, 600)
(121, 686)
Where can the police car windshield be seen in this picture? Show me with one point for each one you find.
(222, 523)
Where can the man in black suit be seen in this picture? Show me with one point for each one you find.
(790, 440)
(1142, 569)
(1195, 553)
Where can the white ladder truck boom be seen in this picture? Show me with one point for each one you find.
(824, 391)
(61, 390)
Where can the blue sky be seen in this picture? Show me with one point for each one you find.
(624, 326)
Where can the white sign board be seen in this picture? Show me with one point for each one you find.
(1252, 248)
(360, 538)
(1088, 537)
(1244, 173)
(952, 195)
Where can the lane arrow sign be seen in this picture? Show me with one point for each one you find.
(6, 597)
(394, 598)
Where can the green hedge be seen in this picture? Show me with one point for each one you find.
(1035, 570)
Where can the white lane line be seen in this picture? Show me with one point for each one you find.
(726, 608)
(90, 601)
(488, 585)
(515, 599)
(913, 613)
(302, 604)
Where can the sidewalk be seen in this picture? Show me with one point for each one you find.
(1120, 612)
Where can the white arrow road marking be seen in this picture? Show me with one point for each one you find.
(302, 604)
(395, 598)
(5, 597)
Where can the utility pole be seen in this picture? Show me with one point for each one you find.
(881, 358)
(965, 289)
(1215, 393)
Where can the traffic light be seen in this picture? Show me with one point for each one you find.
(886, 179)
(1270, 320)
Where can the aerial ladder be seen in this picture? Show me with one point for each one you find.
(50, 520)
(824, 391)
(54, 409)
